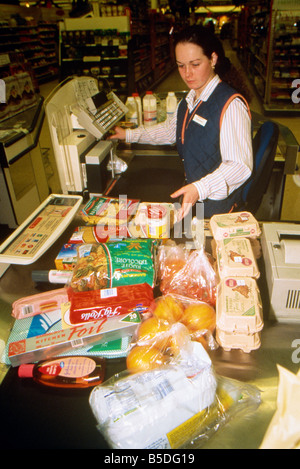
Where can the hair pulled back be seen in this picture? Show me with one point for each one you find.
(209, 42)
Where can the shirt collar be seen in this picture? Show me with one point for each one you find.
(205, 94)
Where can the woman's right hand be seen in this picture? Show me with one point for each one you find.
(120, 134)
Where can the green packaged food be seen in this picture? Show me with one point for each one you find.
(113, 264)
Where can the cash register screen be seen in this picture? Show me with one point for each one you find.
(40, 230)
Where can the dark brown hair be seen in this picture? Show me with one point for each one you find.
(209, 43)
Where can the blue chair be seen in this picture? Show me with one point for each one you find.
(264, 149)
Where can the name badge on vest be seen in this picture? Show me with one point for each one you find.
(199, 120)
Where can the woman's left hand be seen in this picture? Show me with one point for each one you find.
(190, 197)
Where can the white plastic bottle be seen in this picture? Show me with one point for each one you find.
(171, 104)
(139, 107)
(132, 114)
(150, 109)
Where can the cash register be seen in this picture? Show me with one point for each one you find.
(79, 117)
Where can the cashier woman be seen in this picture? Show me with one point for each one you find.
(211, 127)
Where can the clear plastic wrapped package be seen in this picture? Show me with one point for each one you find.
(146, 409)
(177, 405)
(187, 272)
(113, 264)
(172, 322)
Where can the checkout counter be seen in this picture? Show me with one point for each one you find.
(36, 417)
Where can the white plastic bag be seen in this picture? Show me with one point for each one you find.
(284, 429)
(151, 409)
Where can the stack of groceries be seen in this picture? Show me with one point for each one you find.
(163, 306)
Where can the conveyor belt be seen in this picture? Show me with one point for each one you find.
(150, 178)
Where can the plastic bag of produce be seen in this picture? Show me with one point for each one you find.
(186, 272)
(173, 322)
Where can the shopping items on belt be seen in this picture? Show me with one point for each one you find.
(87, 306)
(235, 258)
(175, 406)
(112, 264)
(233, 225)
(148, 409)
(60, 340)
(109, 211)
(186, 272)
(239, 318)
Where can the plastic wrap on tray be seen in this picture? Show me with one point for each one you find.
(186, 272)
(112, 264)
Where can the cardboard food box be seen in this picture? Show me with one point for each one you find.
(232, 225)
(41, 347)
(244, 342)
(235, 258)
(67, 257)
(239, 315)
(239, 306)
(109, 211)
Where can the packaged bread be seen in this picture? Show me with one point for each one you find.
(235, 258)
(233, 225)
(239, 306)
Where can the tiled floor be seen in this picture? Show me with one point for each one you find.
(291, 198)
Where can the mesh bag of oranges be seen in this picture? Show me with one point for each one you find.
(165, 335)
(187, 272)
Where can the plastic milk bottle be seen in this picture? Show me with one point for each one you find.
(132, 114)
(150, 109)
(139, 107)
(171, 104)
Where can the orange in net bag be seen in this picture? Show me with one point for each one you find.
(175, 322)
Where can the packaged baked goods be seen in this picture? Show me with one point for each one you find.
(112, 264)
(233, 225)
(97, 304)
(235, 258)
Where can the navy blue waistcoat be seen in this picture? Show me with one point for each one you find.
(200, 150)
